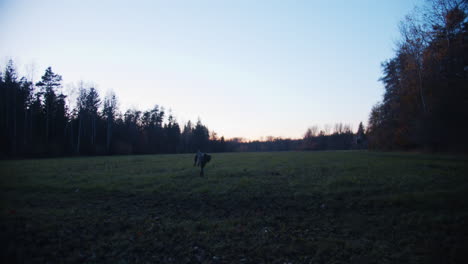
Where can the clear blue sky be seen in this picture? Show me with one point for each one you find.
(246, 68)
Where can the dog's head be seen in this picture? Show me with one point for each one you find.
(208, 158)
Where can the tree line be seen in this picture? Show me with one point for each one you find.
(35, 120)
(425, 104)
(337, 137)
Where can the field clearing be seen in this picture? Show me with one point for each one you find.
(282, 207)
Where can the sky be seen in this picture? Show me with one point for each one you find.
(246, 68)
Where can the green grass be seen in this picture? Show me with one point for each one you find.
(283, 207)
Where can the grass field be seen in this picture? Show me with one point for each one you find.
(284, 207)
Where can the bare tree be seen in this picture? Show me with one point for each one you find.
(327, 129)
(338, 128)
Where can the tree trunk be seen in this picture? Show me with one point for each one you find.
(14, 122)
(30, 126)
(109, 134)
(421, 90)
(71, 135)
(47, 123)
(25, 128)
(93, 130)
(79, 135)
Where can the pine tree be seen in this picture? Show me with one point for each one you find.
(48, 85)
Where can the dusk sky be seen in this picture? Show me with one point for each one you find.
(245, 68)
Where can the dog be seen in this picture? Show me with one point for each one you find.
(201, 159)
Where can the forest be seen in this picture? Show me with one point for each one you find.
(425, 104)
(36, 121)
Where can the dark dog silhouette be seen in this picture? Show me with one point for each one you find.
(201, 159)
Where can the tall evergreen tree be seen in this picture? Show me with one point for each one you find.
(200, 136)
(172, 134)
(48, 85)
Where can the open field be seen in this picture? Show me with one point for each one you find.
(284, 207)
